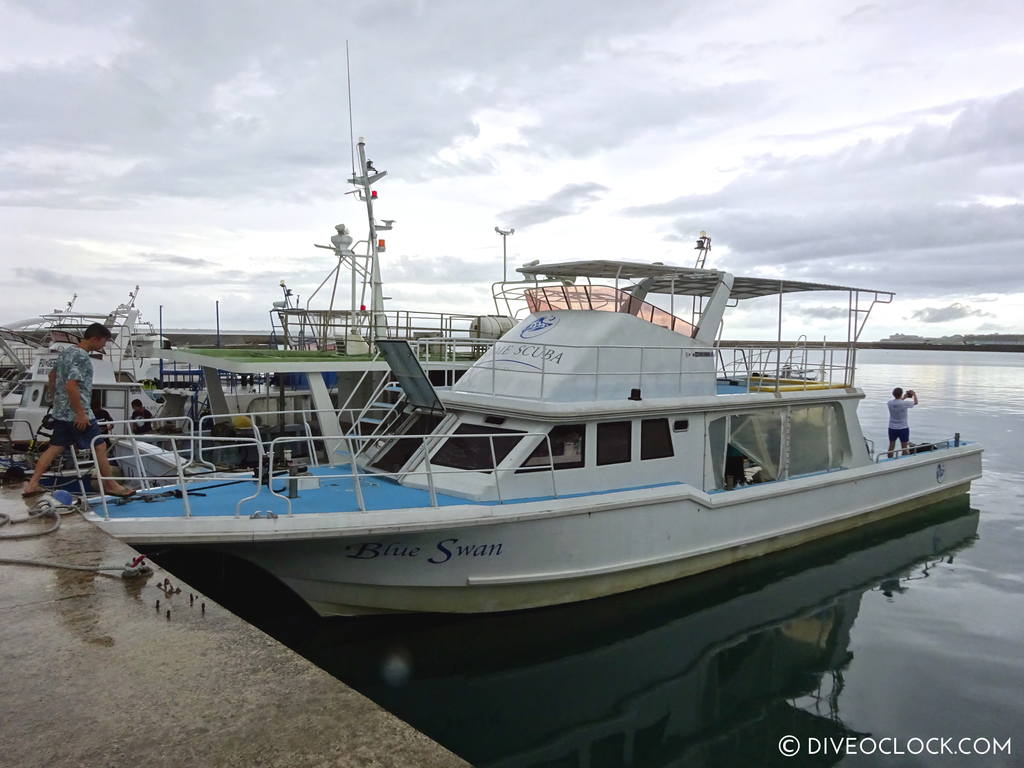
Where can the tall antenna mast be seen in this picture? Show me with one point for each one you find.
(351, 132)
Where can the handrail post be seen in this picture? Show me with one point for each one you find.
(551, 464)
(78, 475)
(430, 473)
(138, 457)
(357, 485)
(680, 390)
(310, 444)
(494, 463)
(181, 479)
(270, 478)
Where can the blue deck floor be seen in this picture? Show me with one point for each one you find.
(335, 494)
(731, 387)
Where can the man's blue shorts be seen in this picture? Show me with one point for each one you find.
(65, 433)
(903, 435)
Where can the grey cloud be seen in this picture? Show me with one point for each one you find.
(913, 249)
(47, 276)
(862, 14)
(196, 100)
(447, 271)
(170, 258)
(827, 313)
(568, 201)
(955, 311)
(578, 121)
(977, 154)
(898, 214)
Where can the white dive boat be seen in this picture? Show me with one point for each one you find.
(601, 445)
(133, 349)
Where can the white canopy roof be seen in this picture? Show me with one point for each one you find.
(682, 281)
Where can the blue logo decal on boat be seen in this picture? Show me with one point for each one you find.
(940, 473)
(542, 324)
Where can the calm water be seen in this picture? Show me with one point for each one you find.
(912, 630)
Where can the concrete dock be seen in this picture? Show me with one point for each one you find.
(94, 674)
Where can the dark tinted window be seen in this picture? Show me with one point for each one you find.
(470, 447)
(613, 442)
(681, 425)
(655, 439)
(567, 444)
(393, 457)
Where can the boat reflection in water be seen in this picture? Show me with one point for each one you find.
(711, 670)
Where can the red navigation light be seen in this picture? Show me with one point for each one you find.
(380, 244)
(362, 307)
(373, 194)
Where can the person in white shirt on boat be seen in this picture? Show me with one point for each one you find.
(899, 427)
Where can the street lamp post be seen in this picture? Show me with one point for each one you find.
(504, 250)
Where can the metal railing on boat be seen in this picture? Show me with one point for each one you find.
(259, 476)
(918, 448)
(747, 369)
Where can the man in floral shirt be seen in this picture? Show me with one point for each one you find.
(74, 422)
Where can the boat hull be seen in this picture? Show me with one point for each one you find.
(601, 548)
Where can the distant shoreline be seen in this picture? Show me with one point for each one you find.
(886, 345)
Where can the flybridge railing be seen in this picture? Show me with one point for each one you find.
(362, 479)
(535, 371)
(602, 298)
(786, 368)
(446, 349)
(315, 329)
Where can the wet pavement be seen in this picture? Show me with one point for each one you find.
(95, 674)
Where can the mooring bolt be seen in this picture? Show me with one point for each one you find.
(137, 566)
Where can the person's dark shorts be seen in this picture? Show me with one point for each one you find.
(903, 435)
(65, 433)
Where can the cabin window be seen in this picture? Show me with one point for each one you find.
(568, 445)
(716, 449)
(35, 395)
(614, 439)
(758, 437)
(394, 457)
(114, 399)
(470, 447)
(817, 438)
(655, 439)
(681, 425)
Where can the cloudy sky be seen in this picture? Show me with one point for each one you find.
(200, 149)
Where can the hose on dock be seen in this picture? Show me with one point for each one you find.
(48, 506)
(54, 505)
